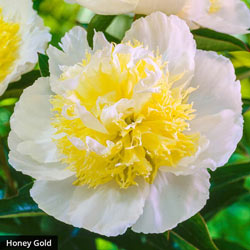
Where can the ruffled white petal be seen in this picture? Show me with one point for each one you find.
(100, 42)
(173, 199)
(217, 86)
(109, 8)
(32, 149)
(38, 170)
(90, 121)
(32, 116)
(221, 133)
(224, 131)
(218, 105)
(105, 210)
(34, 37)
(233, 17)
(74, 45)
(166, 34)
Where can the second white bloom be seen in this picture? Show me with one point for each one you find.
(22, 36)
(227, 16)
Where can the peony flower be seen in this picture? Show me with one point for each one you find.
(22, 35)
(228, 16)
(122, 135)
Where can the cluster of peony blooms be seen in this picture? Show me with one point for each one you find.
(123, 135)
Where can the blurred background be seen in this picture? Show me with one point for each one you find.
(228, 216)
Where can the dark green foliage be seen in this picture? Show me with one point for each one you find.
(19, 206)
(211, 40)
(43, 64)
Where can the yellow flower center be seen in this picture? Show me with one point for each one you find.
(215, 6)
(9, 45)
(138, 130)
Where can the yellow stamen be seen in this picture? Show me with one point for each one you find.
(9, 45)
(138, 141)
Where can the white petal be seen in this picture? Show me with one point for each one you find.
(173, 199)
(217, 86)
(166, 34)
(218, 104)
(111, 7)
(90, 121)
(112, 113)
(167, 6)
(38, 170)
(94, 146)
(106, 210)
(59, 86)
(233, 17)
(54, 197)
(220, 134)
(74, 45)
(32, 116)
(41, 151)
(32, 150)
(78, 143)
(224, 131)
(100, 42)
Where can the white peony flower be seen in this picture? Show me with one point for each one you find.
(22, 35)
(122, 135)
(228, 16)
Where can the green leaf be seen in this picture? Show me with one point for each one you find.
(20, 206)
(12, 93)
(98, 23)
(189, 235)
(4, 122)
(20, 226)
(227, 186)
(211, 40)
(228, 174)
(102, 244)
(222, 197)
(43, 61)
(240, 58)
(228, 245)
(246, 129)
(15, 89)
(245, 88)
(8, 101)
(179, 243)
(242, 73)
(133, 241)
(195, 232)
(119, 26)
